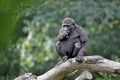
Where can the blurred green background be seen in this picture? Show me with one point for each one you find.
(28, 30)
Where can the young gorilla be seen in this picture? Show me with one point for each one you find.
(72, 41)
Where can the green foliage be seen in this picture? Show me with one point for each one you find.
(33, 26)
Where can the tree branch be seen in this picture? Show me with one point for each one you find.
(90, 62)
(85, 75)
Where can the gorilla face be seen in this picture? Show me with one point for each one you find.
(68, 29)
(65, 32)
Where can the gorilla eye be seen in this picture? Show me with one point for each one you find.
(63, 25)
(66, 26)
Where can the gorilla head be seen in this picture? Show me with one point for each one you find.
(68, 26)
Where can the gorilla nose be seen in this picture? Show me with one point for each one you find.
(65, 28)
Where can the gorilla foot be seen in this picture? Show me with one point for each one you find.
(65, 58)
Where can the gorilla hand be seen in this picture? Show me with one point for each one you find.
(79, 58)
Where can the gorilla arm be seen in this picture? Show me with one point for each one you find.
(84, 44)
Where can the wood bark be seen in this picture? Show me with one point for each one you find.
(90, 62)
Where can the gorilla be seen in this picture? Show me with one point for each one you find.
(72, 41)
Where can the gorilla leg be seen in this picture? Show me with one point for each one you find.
(61, 52)
(77, 47)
